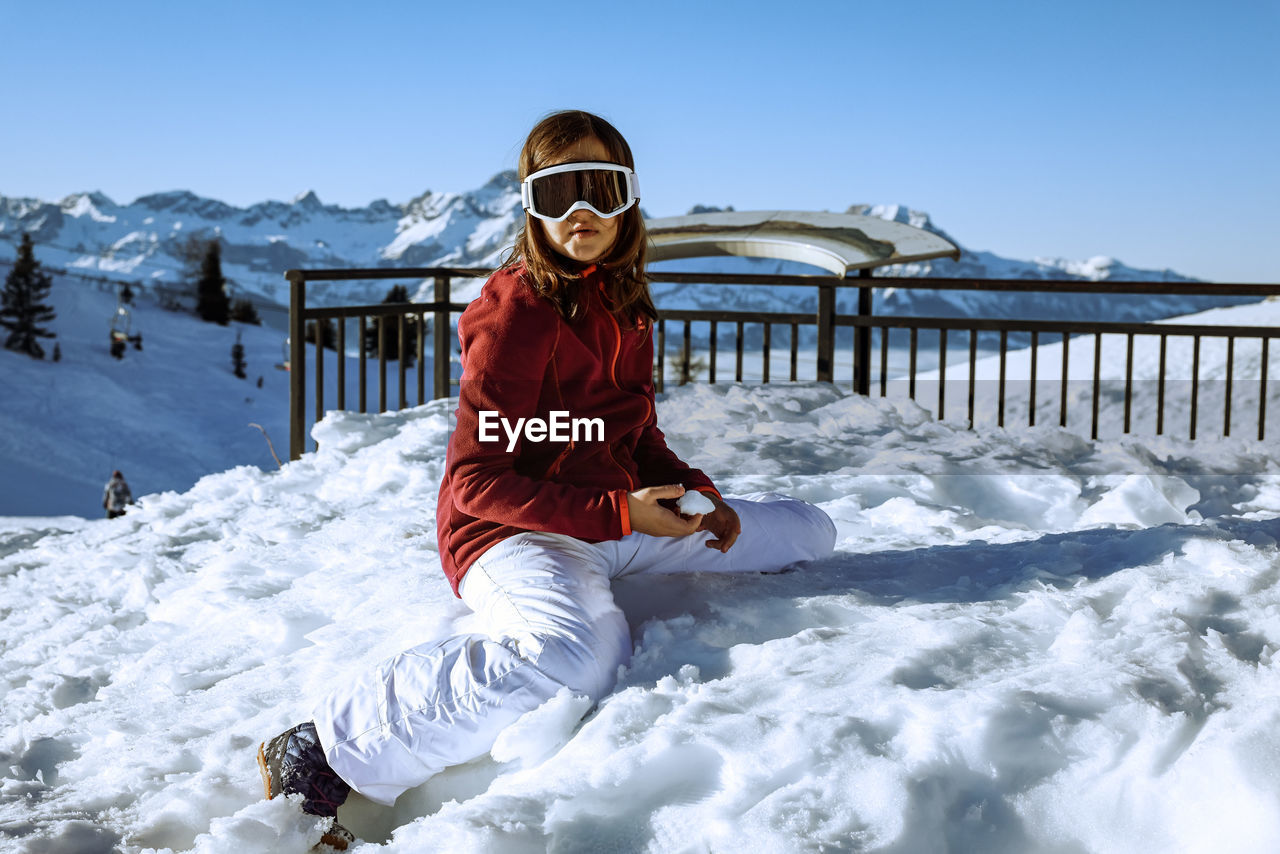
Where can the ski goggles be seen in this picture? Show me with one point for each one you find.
(605, 189)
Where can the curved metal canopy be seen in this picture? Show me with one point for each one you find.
(839, 243)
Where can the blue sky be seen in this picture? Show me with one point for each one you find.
(1147, 131)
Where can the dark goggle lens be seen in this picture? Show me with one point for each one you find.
(603, 189)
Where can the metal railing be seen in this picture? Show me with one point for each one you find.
(825, 323)
(439, 309)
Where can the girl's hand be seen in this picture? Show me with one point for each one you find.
(650, 517)
(722, 522)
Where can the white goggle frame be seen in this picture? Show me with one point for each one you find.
(526, 190)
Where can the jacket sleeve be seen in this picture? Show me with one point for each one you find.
(507, 344)
(658, 464)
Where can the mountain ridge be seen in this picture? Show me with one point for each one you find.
(144, 241)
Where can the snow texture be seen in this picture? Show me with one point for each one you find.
(1024, 642)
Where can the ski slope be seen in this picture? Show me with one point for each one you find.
(165, 415)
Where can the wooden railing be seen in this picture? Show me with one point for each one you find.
(397, 319)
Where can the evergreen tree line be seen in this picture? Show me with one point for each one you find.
(25, 312)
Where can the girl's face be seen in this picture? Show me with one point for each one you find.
(583, 236)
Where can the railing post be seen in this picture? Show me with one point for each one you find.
(711, 370)
(443, 338)
(661, 349)
(322, 330)
(297, 362)
(362, 386)
(420, 345)
(1262, 396)
(862, 340)
(382, 363)
(826, 333)
(342, 362)
(402, 357)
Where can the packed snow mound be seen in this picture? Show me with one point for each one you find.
(1024, 642)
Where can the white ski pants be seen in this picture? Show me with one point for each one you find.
(551, 621)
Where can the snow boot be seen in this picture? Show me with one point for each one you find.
(293, 763)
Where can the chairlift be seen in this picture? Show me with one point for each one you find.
(121, 333)
(284, 364)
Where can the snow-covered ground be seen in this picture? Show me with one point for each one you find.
(1025, 642)
(165, 415)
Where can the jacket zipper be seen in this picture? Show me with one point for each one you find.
(613, 378)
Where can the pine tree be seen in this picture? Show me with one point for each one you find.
(237, 358)
(212, 303)
(22, 309)
(687, 368)
(329, 335)
(243, 311)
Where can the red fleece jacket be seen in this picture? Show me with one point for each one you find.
(520, 359)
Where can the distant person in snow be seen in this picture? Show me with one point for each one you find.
(116, 496)
(533, 527)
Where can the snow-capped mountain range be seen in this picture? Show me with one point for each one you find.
(143, 242)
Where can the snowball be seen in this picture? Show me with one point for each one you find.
(693, 503)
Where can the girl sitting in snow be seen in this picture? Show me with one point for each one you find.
(534, 524)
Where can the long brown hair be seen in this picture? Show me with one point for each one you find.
(553, 275)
